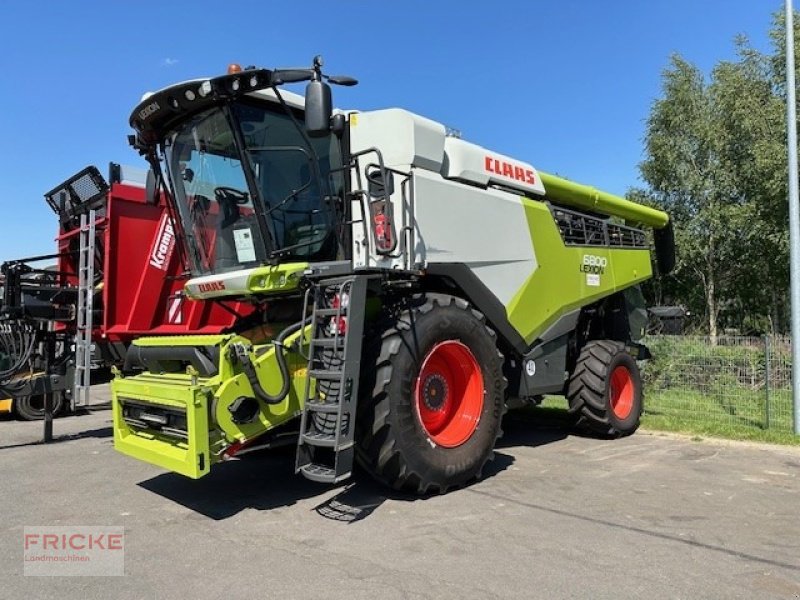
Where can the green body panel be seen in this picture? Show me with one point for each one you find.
(235, 384)
(274, 279)
(205, 400)
(182, 340)
(264, 280)
(589, 198)
(560, 282)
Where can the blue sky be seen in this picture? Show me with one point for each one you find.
(563, 84)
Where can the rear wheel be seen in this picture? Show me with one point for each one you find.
(31, 408)
(431, 406)
(605, 389)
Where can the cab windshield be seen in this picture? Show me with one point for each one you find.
(217, 208)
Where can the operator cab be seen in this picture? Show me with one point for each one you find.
(250, 185)
(291, 180)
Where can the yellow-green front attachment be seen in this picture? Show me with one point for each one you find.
(164, 420)
(174, 417)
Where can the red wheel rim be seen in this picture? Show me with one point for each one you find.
(620, 392)
(449, 394)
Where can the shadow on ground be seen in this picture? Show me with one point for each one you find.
(359, 499)
(533, 427)
(262, 480)
(265, 480)
(99, 433)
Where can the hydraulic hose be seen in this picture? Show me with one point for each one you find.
(241, 354)
(17, 342)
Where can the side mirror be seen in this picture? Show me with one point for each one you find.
(151, 188)
(319, 108)
(338, 125)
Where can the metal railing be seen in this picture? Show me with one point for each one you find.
(737, 382)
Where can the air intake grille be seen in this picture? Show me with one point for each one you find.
(580, 229)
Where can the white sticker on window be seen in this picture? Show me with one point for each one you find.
(593, 279)
(243, 240)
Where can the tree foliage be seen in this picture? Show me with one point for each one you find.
(715, 159)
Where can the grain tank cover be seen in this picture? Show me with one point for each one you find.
(472, 163)
(405, 139)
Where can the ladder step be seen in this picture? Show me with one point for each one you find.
(326, 375)
(321, 406)
(325, 448)
(316, 405)
(330, 312)
(327, 342)
(324, 440)
(322, 474)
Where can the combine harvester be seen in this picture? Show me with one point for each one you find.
(116, 276)
(407, 287)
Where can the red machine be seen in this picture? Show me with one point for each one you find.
(137, 285)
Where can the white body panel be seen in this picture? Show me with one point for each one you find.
(133, 176)
(218, 285)
(454, 220)
(404, 139)
(485, 229)
(469, 162)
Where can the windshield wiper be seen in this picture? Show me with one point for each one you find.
(262, 218)
(289, 249)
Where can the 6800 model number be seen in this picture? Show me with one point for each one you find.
(592, 263)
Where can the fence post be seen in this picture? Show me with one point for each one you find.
(766, 380)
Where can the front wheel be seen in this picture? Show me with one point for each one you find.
(605, 389)
(432, 403)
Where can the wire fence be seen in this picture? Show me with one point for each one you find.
(738, 382)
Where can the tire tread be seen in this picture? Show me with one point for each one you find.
(376, 449)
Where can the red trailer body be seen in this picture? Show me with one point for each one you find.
(138, 288)
(142, 271)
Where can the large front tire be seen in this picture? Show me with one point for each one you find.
(432, 403)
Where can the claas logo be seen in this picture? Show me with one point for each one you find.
(506, 169)
(212, 286)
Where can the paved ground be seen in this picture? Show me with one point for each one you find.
(559, 516)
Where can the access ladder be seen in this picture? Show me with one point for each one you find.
(326, 447)
(84, 324)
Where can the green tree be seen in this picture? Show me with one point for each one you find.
(750, 119)
(715, 158)
(685, 173)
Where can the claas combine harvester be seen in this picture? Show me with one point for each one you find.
(406, 287)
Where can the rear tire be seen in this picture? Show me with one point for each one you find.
(31, 408)
(432, 399)
(605, 389)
